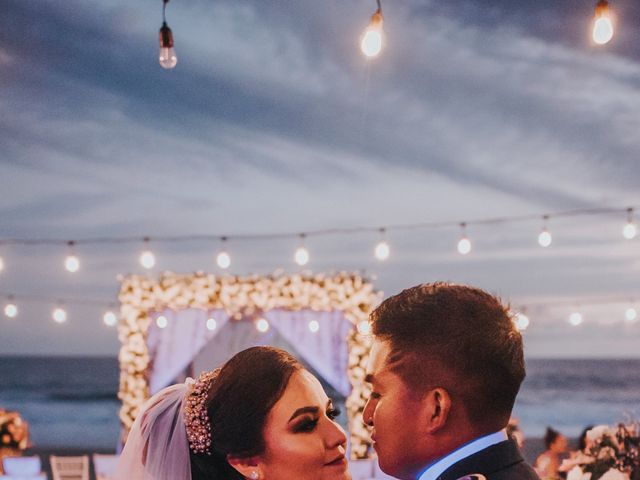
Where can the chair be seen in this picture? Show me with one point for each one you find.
(22, 466)
(105, 466)
(70, 468)
(38, 476)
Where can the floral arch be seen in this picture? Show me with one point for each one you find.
(242, 297)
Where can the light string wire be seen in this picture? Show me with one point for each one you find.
(319, 232)
(515, 305)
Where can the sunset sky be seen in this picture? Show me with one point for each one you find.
(273, 122)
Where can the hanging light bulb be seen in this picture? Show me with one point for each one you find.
(301, 256)
(11, 309)
(545, 239)
(223, 259)
(521, 321)
(262, 325)
(371, 41)
(147, 257)
(168, 57)
(314, 326)
(464, 244)
(1, 264)
(602, 23)
(575, 319)
(631, 315)
(71, 262)
(629, 231)
(59, 315)
(110, 319)
(211, 323)
(382, 249)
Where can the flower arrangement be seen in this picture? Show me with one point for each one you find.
(14, 435)
(611, 453)
(139, 296)
(14, 431)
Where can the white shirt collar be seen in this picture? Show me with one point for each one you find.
(434, 470)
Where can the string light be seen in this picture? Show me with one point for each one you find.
(372, 38)
(602, 24)
(575, 319)
(520, 318)
(147, 258)
(364, 327)
(262, 325)
(629, 231)
(521, 321)
(162, 321)
(321, 232)
(72, 262)
(223, 259)
(314, 326)
(110, 319)
(11, 310)
(301, 255)
(59, 315)
(545, 239)
(382, 249)
(631, 315)
(168, 57)
(464, 244)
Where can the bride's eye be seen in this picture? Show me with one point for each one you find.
(306, 425)
(333, 413)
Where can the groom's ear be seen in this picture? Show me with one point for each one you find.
(246, 466)
(438, 406)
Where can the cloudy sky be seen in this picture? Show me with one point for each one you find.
(273, 122)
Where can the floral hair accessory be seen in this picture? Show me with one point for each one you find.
(196, 418)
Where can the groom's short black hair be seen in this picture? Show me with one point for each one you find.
(459, 338)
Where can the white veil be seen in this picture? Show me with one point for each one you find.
(157, 447)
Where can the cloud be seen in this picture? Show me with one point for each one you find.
(273, 122)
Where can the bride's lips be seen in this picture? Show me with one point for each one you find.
(340, 460)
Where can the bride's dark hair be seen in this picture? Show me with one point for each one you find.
(238, 404)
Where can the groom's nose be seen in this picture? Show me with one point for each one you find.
(367, 413)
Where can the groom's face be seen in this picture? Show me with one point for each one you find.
(394, 412)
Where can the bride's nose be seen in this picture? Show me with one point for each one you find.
(334, 435)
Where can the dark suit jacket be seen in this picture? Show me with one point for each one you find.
(502, 461)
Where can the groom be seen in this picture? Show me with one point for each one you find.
(445, 369)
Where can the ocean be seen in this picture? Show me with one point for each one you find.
(72, 403)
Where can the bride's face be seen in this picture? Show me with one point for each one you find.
(301, 437)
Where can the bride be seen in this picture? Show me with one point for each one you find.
(261, 416)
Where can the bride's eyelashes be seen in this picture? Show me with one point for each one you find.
(305, 425)
(309, 424)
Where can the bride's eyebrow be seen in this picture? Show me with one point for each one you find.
(303, 410)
